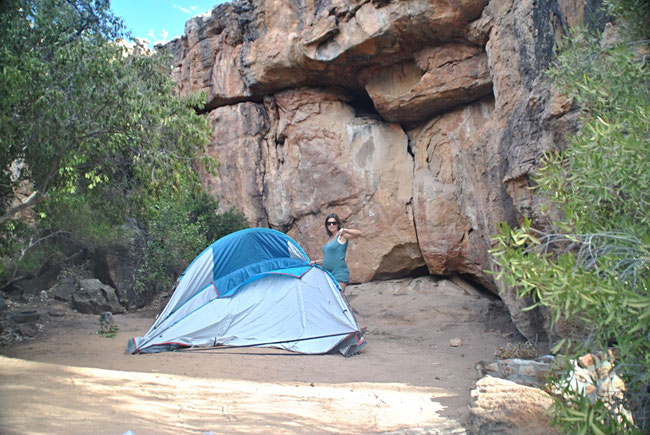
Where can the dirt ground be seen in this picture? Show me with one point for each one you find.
(408, 379)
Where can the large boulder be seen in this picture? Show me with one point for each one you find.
(504, 407)
(246, 49)
(418, 122)
(94, 297)
(438, 79)
(116, 265)
(64, 289)
(305, 154)
(445, 224)
(333, 161)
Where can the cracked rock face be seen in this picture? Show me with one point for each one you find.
(418, 122)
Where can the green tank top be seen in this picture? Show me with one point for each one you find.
(334, 260)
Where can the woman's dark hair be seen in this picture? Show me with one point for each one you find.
(338, 221)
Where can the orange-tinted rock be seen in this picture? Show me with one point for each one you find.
(440, 78)
(440, 115)
(321, 159)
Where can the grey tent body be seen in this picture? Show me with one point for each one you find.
(254, 287)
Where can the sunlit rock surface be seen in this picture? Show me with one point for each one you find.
(418, 122)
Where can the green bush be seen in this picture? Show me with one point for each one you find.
(593, 269)
(181, 227)
(93, 137)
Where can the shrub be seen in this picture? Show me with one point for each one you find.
(180, 228)
(594, 268)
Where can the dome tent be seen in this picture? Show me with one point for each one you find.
(254, 287)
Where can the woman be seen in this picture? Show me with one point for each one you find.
(335, 248)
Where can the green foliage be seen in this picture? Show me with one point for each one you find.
(108, 331)
(634, 14)
(93, 223)
(602, 178)
(80, 116)
(90, 135)
(179, 229)
(576, 414)
(593, 272)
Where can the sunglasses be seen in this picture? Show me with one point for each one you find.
(332, 223)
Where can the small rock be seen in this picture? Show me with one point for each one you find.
(455, 342)
(603, 369)
(28, 330)
(106, 318)
(618, 383)
(528, 370)
(542, 376)
(586, 360)
(56, 312)
(25, 316)
(590, 389)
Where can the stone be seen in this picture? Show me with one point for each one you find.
(542, 376)
(28, 330)
(444, 226)
(523, 371)
(527, 370)
(590, 389)
(106, 318)
(63, 289)
(29, 316)
(603, 369)
(507, 370)
(504, 407)
(618, 384)
(242, 51)
(116, 266)
(455, 342)
(586, 360)
(610, 389)
(368, 185)
(237, 144)
(441, 78)
(605, 388)
(94, 297)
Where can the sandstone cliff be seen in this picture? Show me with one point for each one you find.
(417, 121)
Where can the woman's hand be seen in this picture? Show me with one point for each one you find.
(348, 233)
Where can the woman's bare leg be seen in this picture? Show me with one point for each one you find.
(342, 285)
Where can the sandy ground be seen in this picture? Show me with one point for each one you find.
(408, 379)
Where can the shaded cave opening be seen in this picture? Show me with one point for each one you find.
(482, 290)
(364, 107)
(404, 273)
